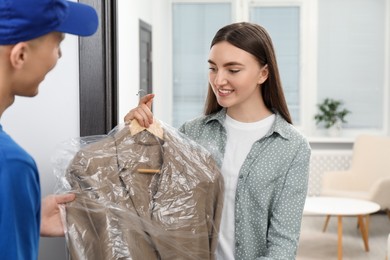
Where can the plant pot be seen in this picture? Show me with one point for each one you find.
(335, 130)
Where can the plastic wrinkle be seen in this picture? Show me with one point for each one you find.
(123, 213)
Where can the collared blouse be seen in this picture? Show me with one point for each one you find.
(271, 189)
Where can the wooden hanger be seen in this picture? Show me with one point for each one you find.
(148, 170)
(154, 129)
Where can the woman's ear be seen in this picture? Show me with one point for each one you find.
(263, 75)
(18, 55)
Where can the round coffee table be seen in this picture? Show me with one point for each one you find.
(337, 206)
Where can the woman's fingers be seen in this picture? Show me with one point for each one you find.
(129, 116)
(141, 116)
(147, 99)
(142, 113)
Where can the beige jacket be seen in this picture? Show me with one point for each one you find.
(120, 213)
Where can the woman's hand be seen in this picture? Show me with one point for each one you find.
(143, 112)
(51, 223)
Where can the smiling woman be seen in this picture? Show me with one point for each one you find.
(247, 128)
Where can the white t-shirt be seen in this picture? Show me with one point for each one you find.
(240, 138)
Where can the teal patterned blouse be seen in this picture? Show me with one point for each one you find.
(271, 188)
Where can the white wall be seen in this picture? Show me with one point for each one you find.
(128, 55)
(129, 14)
(162, 61)
(156, 14)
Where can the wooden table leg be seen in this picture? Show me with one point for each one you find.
(364, 232)
(326, 223)
(367, 224)
(340, 237)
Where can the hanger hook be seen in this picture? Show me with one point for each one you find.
(140, 93)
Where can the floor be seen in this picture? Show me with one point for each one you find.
(316, 245)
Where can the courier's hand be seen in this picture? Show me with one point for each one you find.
(51, 224)
(143, 112)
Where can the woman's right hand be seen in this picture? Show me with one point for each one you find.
(143, 112)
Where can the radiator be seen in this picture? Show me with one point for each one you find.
(326, 160)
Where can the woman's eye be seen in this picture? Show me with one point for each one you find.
(212, 69)
(234, 71)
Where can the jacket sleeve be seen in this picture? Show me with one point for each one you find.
(215, 207)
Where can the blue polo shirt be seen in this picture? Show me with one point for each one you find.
(20, 201)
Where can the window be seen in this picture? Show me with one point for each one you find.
(194, 26)
(351, 58)
(282, 23)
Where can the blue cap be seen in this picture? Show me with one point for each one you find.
(23, 20)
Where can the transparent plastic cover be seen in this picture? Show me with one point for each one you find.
(139, 196)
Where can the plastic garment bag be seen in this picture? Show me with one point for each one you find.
(139, 195)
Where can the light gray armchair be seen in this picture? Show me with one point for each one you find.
(369, 175)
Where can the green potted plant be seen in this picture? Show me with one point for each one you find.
(331, 114)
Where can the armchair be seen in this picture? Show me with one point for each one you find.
(369, 175)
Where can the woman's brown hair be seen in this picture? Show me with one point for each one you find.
(255, 40)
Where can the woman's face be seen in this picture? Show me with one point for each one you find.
(235, 77)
